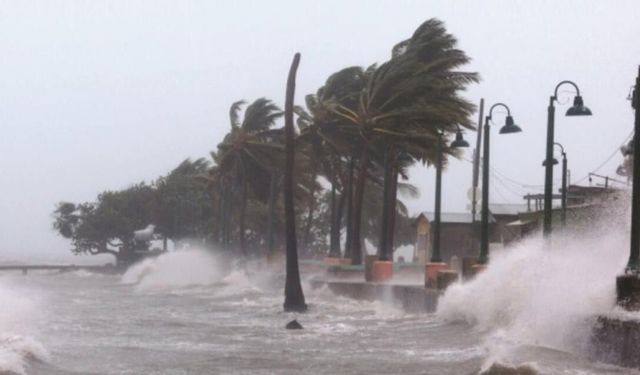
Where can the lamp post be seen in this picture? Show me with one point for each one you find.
(577, 109)
(563, 199)
(508, 128)
(435, 264)
(633, 266)
(459, 142)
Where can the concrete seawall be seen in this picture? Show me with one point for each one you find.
(410, 298)
(615, 340)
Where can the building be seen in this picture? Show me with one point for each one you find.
(458, 235)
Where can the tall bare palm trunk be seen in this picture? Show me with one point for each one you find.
(243, 213)
(336, 213)
(356, 238)
(348, 246)
(293, 295)
(393, 204)
(273, 185)
(311, 204)
(225, 216)
(383, 247)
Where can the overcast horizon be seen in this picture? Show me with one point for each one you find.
(102, 95)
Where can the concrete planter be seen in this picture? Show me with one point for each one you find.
(381, 271)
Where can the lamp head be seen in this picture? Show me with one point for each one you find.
(510, 126)
(459, 142)
(578, 108)
(553, 162)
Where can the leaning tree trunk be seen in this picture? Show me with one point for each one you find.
(225, 217)
(311, 204)
(383, 247)
(219, 226)
(334, 239)
(243, 214)
(393, 204)
(348, 246)
(273, 186)
(293, 295)
(356, 238)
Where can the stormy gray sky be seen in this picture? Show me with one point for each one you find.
(100, 95)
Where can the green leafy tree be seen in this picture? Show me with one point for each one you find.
(107, 225)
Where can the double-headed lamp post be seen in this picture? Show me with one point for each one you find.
(508, 128)
(577, 109)
(459, 142)
(633, 265)
(563, 199)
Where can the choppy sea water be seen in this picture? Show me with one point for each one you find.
(185, 313)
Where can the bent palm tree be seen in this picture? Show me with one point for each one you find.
(248, 154)
(405, 103)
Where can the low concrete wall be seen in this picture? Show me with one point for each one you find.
(616, 341)
(410, 298)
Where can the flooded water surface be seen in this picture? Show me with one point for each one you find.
(183, 314)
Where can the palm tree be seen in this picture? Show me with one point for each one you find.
(293, 295)
(327, 143)
(248, 155)
(405, 103)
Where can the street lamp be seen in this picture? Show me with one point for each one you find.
(633, 266)
(628, 285)
(508, 128)
(435, 264)
(578, 109)
(459, 142)
(563, 199)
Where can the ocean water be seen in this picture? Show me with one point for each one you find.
(192, 313)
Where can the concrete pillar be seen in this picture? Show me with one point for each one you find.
(431, 273)
(628, 292)
(455, 264)
(421, 252)
(368, 266)
(478, 268)
(467, 266)
(446, 278)
(381, 271)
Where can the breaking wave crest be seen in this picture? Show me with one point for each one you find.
(17, 321)
(542, 294)
(175, 270)
(189, 269)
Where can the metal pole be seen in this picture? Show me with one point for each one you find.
(484, 234)
(548, 169)
(564, 190)
(435, 255)
(476, 164)
(634, 253)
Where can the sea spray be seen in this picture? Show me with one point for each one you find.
(174, 270)
(195, 268)
(541, 293)
(18, 320)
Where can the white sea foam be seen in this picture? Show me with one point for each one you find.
(175, 269)
(185, 270)
(542, 294)
(18, 318)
